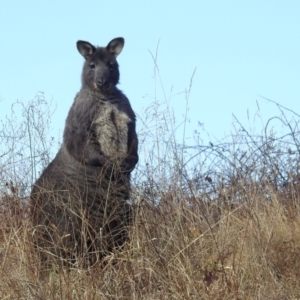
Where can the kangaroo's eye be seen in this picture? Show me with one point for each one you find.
(92, 66)
(111, 66)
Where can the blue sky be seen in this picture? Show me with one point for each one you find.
(240, 50)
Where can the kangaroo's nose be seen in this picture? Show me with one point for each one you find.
(102, 83)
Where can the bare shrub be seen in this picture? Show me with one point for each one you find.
(25, 144)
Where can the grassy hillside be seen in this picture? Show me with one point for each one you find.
(214, 220)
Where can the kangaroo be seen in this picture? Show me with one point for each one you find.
(79, 206)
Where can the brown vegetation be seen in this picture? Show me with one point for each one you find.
(216, 221)
(180, 249)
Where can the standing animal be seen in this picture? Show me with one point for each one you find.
(79, 207)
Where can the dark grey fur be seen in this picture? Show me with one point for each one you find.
(78, 205)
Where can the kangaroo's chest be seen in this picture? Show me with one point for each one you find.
(111, 130)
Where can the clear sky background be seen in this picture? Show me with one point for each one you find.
(240, 50)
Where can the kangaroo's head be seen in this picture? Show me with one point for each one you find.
(100, 70)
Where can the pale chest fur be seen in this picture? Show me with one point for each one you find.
(111, 129)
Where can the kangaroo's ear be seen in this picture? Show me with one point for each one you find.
(115, 46)
(85, 49)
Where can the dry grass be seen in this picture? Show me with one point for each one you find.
(180, 249)
(220, 221)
